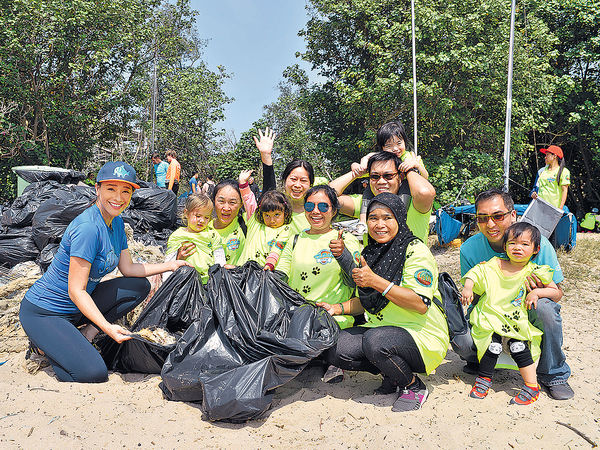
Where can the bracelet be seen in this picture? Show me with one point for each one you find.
(270, 266)
(342, 306)
(244, 185)
(414, 169)
(387, 289)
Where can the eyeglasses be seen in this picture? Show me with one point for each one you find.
(386, 176)
(323, 207)
(498, 217)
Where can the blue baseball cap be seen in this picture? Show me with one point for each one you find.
(117, 171)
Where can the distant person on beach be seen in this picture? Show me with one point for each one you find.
(209, 186)
(173, 172)
(71, 293)
(160, 170)
(194, 183)
(553, 180)
(495, 212)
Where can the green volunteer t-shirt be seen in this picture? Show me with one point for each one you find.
(233, 240)
(299, 223)
(261, 240)
(206, 241)
(501, 308)
(549, 189)
(417, 222)
(429, 330)
(314, 272)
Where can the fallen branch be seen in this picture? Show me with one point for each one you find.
(592, 443)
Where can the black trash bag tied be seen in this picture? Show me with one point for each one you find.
(61, 176)
(150, 209)
(17, 246)
(254, 335)
(20, 213)
(175, 306)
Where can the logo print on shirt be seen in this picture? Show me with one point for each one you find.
(424, 277)
(233, 244)
(356, 256)
(518, 301)
(324, 257)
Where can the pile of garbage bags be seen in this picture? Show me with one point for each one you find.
(32, 227)
(245, 335)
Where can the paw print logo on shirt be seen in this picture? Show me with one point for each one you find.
(316, 271)
(516, 315)
(505, 328)
(303, 276)
(516, 328)
(306, 289)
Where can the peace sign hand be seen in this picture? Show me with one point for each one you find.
(337, 245)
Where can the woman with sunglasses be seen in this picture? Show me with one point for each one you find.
(405, 333)
(298, 176)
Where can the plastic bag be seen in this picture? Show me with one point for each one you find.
(255, 334)
(32, 175)
(54, 215)
(151, 209)
(16, 246)
(46, 256)
(175, 305)
(21, 212)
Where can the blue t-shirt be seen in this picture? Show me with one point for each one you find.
(477, 249)
(87, 237)
(193, 182)
(160, 170)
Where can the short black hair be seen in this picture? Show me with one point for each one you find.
(273, 201)
(299, 163)
(224, 183)
(331, 195)
(155, 155)
(518, 228)
(383, 157)
(495, 192)
(390, 130)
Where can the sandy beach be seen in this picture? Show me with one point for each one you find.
(129, 411)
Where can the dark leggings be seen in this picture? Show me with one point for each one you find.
(489, 359)
(70, 353)
(388, 350)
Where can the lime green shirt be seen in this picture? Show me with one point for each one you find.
(233, 240)
(417, 222)
(501, 308)
(549, 189)
(206, 241)
(429, 330)
(314, 272)
(299, 223)
(261, 240)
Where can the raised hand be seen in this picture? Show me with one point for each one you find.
(264, 144)
(363, 276)
(245, 176)
(337, 245)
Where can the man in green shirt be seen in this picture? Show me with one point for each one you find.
(385, 176)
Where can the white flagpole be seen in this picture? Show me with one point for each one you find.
(414, 61)
(509, 97)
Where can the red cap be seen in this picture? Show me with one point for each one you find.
(554, 149)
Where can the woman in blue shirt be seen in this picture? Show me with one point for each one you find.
(70, 293)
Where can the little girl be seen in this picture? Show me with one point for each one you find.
(268, 225)
(197, 243)
(392, 138)
(502, 309)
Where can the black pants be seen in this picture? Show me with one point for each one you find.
(489, 359)
(388, 350)
(175, 187)
(71, 355)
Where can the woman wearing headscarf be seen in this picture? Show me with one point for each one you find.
(405, 331)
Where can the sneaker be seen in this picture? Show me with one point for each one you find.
(526, 396)
(480, 388)
(560, 391)
(387, 387)
(412, 397)
(333, 375)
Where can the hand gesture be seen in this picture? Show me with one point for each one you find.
(363, 276)
(531, 300)
(187, 249)
(245, 176)
(466, 296)
(337, 245)
(358, 170)
(178, 263)
(264, 143)
(534, 195)
(118, 333)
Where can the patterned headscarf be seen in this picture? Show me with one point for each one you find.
(386, 260)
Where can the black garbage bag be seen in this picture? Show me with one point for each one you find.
(32, 175)
(151, 209)
(17, 246)
(153, 237)
(255, 334)
(20, 213)
(46, 256)
(54, 215)
(175, 305)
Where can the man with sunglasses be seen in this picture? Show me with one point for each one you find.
(494, 214)
(384, 176)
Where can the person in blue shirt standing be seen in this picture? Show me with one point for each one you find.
(160, 170)
(71, 294)
(495, 212)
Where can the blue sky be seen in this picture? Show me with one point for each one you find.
(255, 40)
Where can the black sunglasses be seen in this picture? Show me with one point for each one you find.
(483, 218)
(323, 207)
(386, 176)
